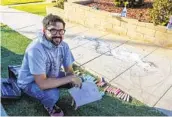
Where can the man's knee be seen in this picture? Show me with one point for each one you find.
(52, 93)
(47, 97)
(51, 96)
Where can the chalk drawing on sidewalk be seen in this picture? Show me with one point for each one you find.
(126, 55)
(123, 54)
(99, 45)
(146, 79)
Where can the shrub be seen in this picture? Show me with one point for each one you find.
(160, 14)
(128, 3)
(60, 3)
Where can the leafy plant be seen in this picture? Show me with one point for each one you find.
(60, 3)
(160, 14)
(128, 3)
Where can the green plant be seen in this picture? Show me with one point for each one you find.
(128, 3)
(160, 14)
(60, 3)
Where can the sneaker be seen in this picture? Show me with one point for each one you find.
(55, 111)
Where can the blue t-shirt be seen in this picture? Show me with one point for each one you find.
(42, 57)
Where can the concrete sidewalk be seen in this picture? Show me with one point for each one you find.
(145, 72)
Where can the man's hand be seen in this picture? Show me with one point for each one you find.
(77, 82)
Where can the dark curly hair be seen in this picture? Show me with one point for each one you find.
(50, 18)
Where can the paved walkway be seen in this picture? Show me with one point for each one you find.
(143, 71)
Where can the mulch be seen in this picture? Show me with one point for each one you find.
(141, 13)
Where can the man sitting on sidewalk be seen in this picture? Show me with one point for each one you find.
(40, 75)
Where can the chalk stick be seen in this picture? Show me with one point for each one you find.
(128, 98)
(125, 98)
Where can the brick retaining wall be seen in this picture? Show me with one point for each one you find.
(103, 20)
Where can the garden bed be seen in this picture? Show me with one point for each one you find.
(141, 13)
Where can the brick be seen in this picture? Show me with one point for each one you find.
(169, 36)
(124, 25)
(134, 34)
(71, 1)
(145, 31)
(123, 33)
(89, 14)
(80, 11)
(161, 35)
(113, 21)
(160, 28)
(76, 5)
(95, 21)
(169, 31)
(106, 25)
(108, 14)
(163, 39)
(99, 27)
(100, 13)
(127, 20)
(70, 9)
(81, 21)
(169, 44)
(143, 24)
(67, 5)
(78, 19)
(119, 30)
(74, 17)
(86, 8)
(151, 39)
(91, 22)
(128, 26)
(55, 11)
(150, 26)
(110, 30)
(68, 14)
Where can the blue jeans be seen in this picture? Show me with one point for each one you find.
(47, 97)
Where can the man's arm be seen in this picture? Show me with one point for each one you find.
(67, 64)
(69, 70)
(47, 83)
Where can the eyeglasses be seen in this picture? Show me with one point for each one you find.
(55, 31)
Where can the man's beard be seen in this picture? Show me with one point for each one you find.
(56, 42)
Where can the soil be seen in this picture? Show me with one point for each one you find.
(141, 13)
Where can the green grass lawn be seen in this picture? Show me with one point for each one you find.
(11, 2)
(13, 46)
(39, 9)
